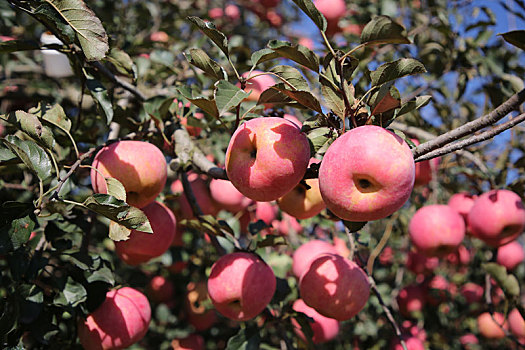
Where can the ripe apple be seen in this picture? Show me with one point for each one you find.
(467, 339)
(141, 247)
(120, 321)
(335, 287)
(472, 292)
(160, 289)
(411, 300)
(227, 197)
(510, 255)
(308, 252)
(424, 169)
(303, 202)
(287, 224)
(267, 157)
(490, 329)
(324, 328)
(199, 316)
(257, 85)
(293, 119)
(139, 166)
(160, 37)
(421, 264)
(232, 12)
(436, 230)
(497, 217)
(341, 247)
(266, 212)
(462, 203)
(241, 285)
(516, 324)
(191, 342)
(366, 174)
(333, 10)
(459, 257)
(439, 289)
(201, 193)
(411, 342)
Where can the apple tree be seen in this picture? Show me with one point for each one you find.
(274, 174)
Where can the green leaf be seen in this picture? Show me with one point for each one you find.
(395, 70)
(32, 155)
(246, 339)
(201, 60)
(271, 241)
(73, 294)
(118, 211)
(297, 53)
(320, 137)
(382, 30)
(311, 11)
(263, 56)
(166, 58)
(122, 62)
(304, 98)
(115, 188)
(515, 37)
(228, 96)
(211, 32)
(274, 97)
(332, 96)
(100, 94)
(18, 45)
(84, 23)
(52, 114)
(292, 76)
(385, 99)
(508, 282)
(409, 106)
(118, 232)
(207, 105)
(17, 220)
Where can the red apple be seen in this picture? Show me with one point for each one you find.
(424, 169)
(411, 342)
(411, 300)
(201, 193)
(160, 37)
(516, 324)
(241, 285)
(267, 157)
(287, 224)
(232, 12)
(510, 255)
(421, 264)
(192, 130)
(324, 328)
(139, 166)
(160, 289)
(227, 196)
(215, 13)
(120, 321)
(266, 212)
(472, 292)
(497, 217)
(141, 247)
(439, 289)
(335, 287)
(308, 252)
(467, 340)
(191, 342)
(492, 328)
(436, 230)
(366, 174)
(462, 203)
(293, 119)
(198, 316)
(257, 85)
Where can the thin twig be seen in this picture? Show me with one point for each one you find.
(117, 80)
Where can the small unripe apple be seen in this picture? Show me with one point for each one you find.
(324, 328)
(120, 321)
(308, 252)
(335, 287)
(241, 285)
(411, 300)
(510, 255)
(366, 174)
(436, 230)
(139, 166)
(497, 217)
(141, 247)
(267, 157)
(191, 342)
(490, 329)
(516, 324)
(160, 289)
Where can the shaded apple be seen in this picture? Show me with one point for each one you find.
(227, 197)
(308, 252)
(160, 289)
(191, 342)
(411, 300)
(324, 328)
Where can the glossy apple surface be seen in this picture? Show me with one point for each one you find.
(241, 285)
(227, 197)
(267, 157)
(308, 252)
(120, 321)
(139, 166)
(497, 217)
(366, 174)
(510, 255)
(141, 247)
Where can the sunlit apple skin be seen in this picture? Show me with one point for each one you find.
(324, 328)
(267, 157)
(510, 255)
(120, 321)
(141, 247)
(241, 285)
(516, 324)
(303, 202)
(490, 329)
(139, 166)
(335, 287)
(266, 212)
(436, 230)
(257, 85)
(497, 217)
(366, 174)
(462, 203)
(227, 197)
(191, 342)
(333, 10)
(308, 252)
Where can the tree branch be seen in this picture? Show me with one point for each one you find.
(120, 82)
(501, 111)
